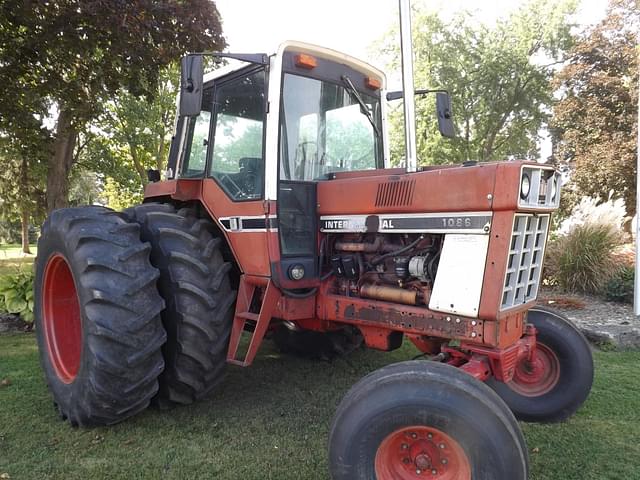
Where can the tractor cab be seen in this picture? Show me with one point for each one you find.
(321, 108)
(259, 138)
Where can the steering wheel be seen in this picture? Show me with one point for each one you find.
(225, 178)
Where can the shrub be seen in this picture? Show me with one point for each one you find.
(580, 254)
(581, 260)
(16, 293)
(593, 211)
(619, 288)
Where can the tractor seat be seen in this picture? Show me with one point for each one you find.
(251, 173)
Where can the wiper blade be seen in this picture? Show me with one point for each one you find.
(363, 106)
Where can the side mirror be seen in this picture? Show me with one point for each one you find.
(191, 80)
(445, 116)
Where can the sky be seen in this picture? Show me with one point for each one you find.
(351, 26)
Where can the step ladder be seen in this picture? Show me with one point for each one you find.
(249, 284)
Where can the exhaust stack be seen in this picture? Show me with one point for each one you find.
(406, 53)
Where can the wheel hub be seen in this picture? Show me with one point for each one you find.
(421, 452)
(537, 376)
(61, 322)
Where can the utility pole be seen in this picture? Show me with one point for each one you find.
(636, 290)
(406, 53)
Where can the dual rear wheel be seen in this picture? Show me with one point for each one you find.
(130, 307)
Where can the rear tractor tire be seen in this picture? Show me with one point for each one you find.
(194, 282)
(419, 419)
(558, 381)
(97, 314)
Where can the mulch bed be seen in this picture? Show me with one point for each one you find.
(11, 323)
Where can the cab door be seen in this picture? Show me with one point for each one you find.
(233, 185)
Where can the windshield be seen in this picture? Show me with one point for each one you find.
(324, 130)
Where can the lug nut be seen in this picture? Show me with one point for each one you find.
(414, 435)
(404, 446)
(430, 435)
(406, 460)
(434, 472)
(444, 461)
(441, 445)
(418, 471)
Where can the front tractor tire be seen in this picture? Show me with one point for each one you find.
(97, 314)
(195, 284)
(418, 419)
(556, 383)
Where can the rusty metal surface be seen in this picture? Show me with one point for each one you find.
(405, 318)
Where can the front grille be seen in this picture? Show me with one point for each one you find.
(393, 194)
(524, 265)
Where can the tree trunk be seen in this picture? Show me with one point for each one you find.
(138, 164)
(24, 220)
(61, 161)
(24, 203)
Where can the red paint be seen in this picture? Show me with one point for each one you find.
(270, 296)
(62, 324)
(536, 376)
(419, 452)
(496, 338)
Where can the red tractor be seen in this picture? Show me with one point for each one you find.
(280, 214)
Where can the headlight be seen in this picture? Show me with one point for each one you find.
(296, 272)
(525, 186)
(554, 188)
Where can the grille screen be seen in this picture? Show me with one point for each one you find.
(525, 259)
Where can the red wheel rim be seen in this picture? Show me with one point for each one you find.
(61, 322)
(421, 452)
(537, 376)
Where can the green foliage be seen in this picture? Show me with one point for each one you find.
(581, 260)
(595, 121)
(129, 137)
(16, 293)
(79, 55)
(619, 287)
(119, 197)
(500, 91)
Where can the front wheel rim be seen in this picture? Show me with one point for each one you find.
(538, 376)
(61, 322)
(421, 452)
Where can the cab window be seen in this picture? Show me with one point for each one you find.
(237, 161)
(195, 151)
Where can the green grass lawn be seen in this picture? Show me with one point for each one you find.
(12, 258)
(271, 421)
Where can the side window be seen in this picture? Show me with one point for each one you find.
(195, 151)
(237, 162)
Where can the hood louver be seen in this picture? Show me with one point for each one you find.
(394, 194)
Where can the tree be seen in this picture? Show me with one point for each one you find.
(131, 135)
(498, 78)
(24, 146)
(80, 53)
(595, 123)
